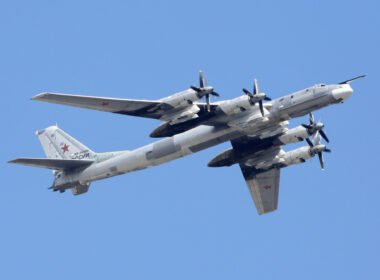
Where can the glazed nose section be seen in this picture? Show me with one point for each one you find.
(342, 93)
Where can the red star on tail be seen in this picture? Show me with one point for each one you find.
(267, 187)
(65, 148)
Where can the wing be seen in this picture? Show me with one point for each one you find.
(140, 108)
(263, 187)
(257, 153)
(55, 164)
(153, 109)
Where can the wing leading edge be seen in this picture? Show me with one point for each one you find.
(154, 109)
(140, 108)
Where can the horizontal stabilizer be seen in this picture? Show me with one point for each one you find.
(55, 164)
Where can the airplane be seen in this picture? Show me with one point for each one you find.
(257, 132)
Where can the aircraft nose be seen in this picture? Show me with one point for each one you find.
(342, 93)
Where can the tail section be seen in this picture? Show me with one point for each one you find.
(57, 144)
(65, 156)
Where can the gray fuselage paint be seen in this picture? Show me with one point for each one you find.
(202, 137)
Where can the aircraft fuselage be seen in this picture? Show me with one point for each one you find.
(246, 118)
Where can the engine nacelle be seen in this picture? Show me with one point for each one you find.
(236, 105)
(225, 158)
(296, 156)
(282, 159)
(294, 135)
(182, 99)
(252, 153)
(181, 115)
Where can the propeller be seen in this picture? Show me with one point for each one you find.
(315, 127)
(318, 148)
(204, 90)
(351, 80)
(256, 96)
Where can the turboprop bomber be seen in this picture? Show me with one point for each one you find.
(255, 125)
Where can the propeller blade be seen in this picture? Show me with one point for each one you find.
(309, 142)
(320, 156)
(306, 126)
(327, 150)
(267, 98)
(197, 89)
(215, 93)
(247, 92)
(351, 80)
(323, 134)
(255, 87)
(208, 102)
(319, 140)
(201, 84)
(261, 107)
(250, 95)
(314, 136)
(311, 118)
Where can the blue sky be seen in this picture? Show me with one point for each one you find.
(184, 220)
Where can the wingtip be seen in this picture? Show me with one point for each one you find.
(262, 212)
(38, 96)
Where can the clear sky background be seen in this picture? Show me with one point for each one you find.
(183, 220)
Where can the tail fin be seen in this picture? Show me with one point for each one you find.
(58, 144)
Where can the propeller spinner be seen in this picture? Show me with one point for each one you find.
(315, 127)
(204, 90)
(318, 149)
(256, 96)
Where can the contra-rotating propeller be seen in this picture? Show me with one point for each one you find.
(256, 96)
(204, 90)
(315, 127)
(318, 149)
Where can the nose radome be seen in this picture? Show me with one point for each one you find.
(342, 93)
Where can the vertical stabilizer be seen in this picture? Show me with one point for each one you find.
(58, 144)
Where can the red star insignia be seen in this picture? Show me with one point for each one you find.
(65, 148)
(267, 187)
(105, 103)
